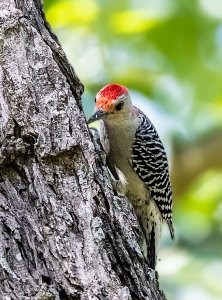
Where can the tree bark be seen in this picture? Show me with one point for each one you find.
(65, 234)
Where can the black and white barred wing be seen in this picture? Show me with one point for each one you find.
(149, 161)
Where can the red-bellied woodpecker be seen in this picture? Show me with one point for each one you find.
(136, 156)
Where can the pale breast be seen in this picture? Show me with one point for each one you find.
(118, 146)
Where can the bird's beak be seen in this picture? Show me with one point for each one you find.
(98, 115)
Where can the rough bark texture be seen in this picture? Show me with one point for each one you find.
(65, 234)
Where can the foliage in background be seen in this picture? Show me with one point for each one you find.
(169, 54)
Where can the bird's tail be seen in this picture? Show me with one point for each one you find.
(151, 224)
(171, 229)
(151, 250)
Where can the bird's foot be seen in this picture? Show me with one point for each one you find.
(118, 184)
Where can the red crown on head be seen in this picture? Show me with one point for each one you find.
(112, 91)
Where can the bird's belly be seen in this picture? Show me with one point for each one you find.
(119, 156)
(136, 191)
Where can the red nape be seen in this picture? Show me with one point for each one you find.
(112, 91)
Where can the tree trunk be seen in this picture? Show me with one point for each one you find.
(65, 234)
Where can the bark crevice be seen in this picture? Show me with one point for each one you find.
(65, 234)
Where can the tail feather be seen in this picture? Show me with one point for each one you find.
(171, 229)
(151, 250)
(151, 225)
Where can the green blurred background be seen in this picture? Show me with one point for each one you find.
(169, 54)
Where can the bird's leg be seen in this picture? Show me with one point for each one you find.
(118, 184)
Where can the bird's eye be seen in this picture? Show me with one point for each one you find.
(119, 106)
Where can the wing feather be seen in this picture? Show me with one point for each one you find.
(149, 161)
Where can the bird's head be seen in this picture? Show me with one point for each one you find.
(112, 101)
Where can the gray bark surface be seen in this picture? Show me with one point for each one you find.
(64, 233)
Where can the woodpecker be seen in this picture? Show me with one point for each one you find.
(136, 157)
